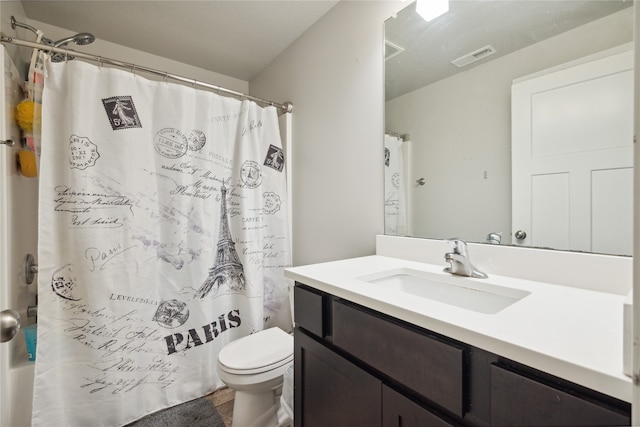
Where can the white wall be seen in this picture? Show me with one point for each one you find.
(333, 74)
(126, 54)
(20, 56)
(107, 50)
(460, 127)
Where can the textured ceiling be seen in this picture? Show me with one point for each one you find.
(470, 25)
(236, 38)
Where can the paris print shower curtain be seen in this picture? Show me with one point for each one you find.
(162, 237)
(395, 207)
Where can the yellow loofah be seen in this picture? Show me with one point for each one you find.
(27, 162)
(27, 113)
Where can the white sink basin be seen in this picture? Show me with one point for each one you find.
(478, 295)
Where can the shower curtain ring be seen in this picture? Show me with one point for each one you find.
(133, 69)
(193, 85)
(166, 76)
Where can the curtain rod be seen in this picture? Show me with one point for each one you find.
(287, 107)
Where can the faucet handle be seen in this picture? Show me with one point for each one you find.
(458, 246)
(495, 237)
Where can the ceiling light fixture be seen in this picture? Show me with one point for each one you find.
(431, 9)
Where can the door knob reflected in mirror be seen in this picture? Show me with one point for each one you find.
(9, 324)
(520, 235)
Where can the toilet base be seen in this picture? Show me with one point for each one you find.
(256, 409)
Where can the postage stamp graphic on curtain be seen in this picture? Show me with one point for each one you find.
(275, 158)
(171, 313)
(170, 143)
(63, 282)
(197, 139)
(272, 203)
(82, 152)
(251, 174)
(121, 112)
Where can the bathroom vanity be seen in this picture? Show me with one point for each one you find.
(367, 354)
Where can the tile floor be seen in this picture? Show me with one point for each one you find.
(223, 401)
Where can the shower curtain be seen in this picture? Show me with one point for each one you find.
(395, 209)
(163, 234)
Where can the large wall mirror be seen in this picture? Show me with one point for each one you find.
(511, 122)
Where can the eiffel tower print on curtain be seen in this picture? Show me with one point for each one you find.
(228, 269)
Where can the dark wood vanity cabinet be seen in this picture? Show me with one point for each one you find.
(422, 363)
(518, 400)
(400, 411)
(336, 392)
(358, 367)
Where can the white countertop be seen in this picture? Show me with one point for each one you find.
(571, 333)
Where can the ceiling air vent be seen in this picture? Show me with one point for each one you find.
(474, 56)
(391, 50)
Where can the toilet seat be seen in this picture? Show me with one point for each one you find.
(256, 353)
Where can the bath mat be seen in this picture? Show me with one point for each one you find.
(196, 413)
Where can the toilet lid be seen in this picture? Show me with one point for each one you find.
(264, 348)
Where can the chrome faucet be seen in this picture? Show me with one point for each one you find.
(459, 261)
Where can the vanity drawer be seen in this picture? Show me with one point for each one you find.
(517, 400)
(423, 363)
(308, 309)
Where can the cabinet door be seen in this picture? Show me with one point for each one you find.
(517, 401)
(400, 411)
(429, 366)
(330, 390)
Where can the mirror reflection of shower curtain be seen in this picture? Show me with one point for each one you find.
(395, 206)
(163, 234)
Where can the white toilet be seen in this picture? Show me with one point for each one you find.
(254, 367)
